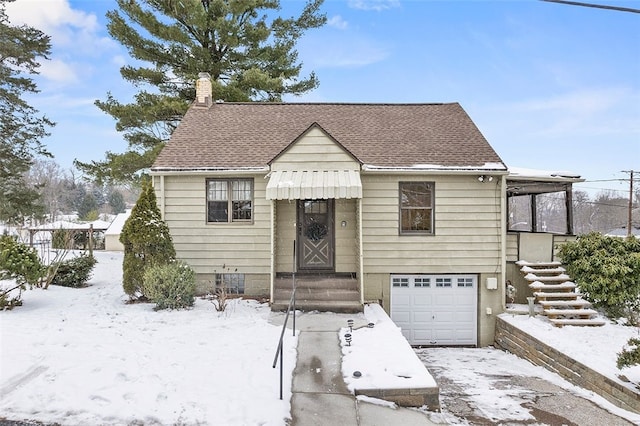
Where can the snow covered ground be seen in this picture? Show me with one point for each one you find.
(596, 347)
(83, 356)
(504, 389)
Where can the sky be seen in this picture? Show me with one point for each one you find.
(551, 86)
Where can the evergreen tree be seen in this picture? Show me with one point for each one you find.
(87, 206)
(116, 201)
(21, 129)
(146, 241)
(249, 55)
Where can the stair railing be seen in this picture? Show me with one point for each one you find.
(290, 307)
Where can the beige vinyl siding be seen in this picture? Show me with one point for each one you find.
(512, 247)
(315, 151)
(286, 234)
(209, 246)
(346, 243)
(467, 227)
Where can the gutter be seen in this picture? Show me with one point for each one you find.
(159, 171)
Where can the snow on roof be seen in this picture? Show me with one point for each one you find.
(116, 226)
(65, 224)
(497, 167)
(622, 232)
(535, 174)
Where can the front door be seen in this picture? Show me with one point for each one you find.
(315, 235)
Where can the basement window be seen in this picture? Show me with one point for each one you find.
(233, 282)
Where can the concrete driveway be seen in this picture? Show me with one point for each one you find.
(486, 386)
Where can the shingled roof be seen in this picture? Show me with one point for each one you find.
(246, 135)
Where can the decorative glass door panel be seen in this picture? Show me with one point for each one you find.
(315, 235)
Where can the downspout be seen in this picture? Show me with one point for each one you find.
(360, 252)
(162, 197)
(272, 234)
(503, 243)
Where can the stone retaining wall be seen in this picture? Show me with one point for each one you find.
(518, 342)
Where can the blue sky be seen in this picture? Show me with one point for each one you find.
(551, 86)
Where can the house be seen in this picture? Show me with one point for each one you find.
(623, 232)
(403, 204)
(112, 234)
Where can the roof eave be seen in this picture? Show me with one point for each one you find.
(160, 171)
(492, 168)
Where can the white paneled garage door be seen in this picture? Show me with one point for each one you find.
(435, 309)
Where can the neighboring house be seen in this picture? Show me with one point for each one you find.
(406, 200)
(112, 234)
(623, 232)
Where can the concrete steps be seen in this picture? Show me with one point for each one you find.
(318, 293)
(557, 294)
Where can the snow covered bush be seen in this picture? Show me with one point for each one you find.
(170, 286)
(74, 272)
(20, 263)
(630, 355)
(146, 241)
(607, 271)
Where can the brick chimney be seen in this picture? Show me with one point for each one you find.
(204, 90)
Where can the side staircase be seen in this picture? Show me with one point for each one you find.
(556, 293)
(318, 293)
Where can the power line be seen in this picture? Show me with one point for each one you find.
(598, 6)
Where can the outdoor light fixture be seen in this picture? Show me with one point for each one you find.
(350, 324)
(347, 338)
(480, 178)
(483, 178)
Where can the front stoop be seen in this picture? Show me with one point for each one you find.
(318, 293)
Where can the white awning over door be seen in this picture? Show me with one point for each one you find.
(313, 184)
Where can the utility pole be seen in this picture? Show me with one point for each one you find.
(629, 217)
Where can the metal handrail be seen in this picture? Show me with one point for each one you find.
(292, 304)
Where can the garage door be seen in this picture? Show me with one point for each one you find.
(435, 309)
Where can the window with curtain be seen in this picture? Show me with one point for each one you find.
(229, 200)
(416, 207)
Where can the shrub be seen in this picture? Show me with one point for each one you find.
(607, 270)
(146, 241)
(170, 286)
(74, 272)
(62, 239)
(20, 262)
(629, 356)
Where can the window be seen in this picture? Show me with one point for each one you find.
(229, 200)
(443, 282)
(401, 282)
(465, 282)
(416, 207)
(422, 282)
(232, 283)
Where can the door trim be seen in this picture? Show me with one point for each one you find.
(330, 236)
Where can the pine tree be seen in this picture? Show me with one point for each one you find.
(249, 55)
(146, 241)
(20, 126)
